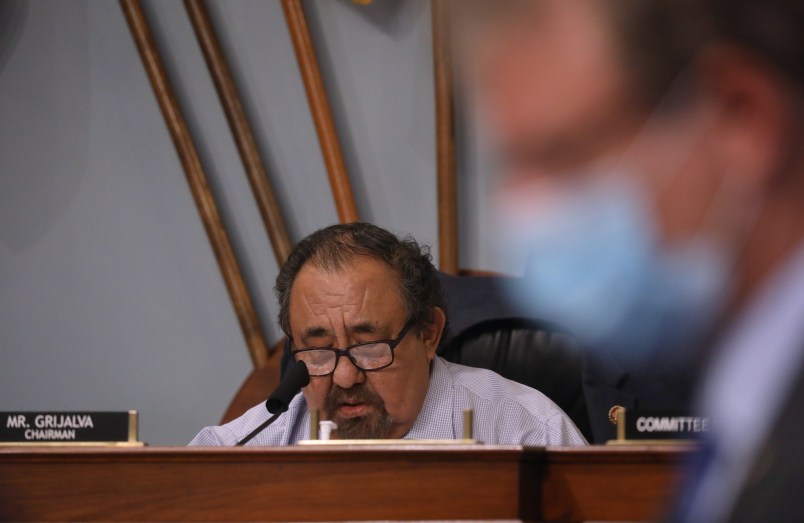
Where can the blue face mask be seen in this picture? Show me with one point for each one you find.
(595, 266)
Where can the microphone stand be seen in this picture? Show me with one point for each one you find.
(258, 429)
(277, 403)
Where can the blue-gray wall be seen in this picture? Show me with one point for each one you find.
(110, 296)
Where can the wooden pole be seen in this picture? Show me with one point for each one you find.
(445, 142)
(241, 129)
(319, 106)
(197, 180)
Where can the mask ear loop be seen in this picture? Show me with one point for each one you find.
(715, 218)
(725, 229)
(678, 93)
(735, 227)
(732, 215)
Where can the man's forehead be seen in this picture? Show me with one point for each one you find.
(360, 296)
(356, 275)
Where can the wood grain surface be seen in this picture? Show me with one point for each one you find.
(299, 483)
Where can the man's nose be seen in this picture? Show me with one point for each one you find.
(346, 374)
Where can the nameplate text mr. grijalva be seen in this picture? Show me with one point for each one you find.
(68, 427)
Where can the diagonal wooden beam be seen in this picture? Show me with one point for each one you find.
(445, 142)
(198, 182)
(319, 106)
(241, 129)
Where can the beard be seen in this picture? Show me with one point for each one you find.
(374, 425)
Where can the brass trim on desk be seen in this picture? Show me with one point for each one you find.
(133, 426)
(342, 442)
(72, 444)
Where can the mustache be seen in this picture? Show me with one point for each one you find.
(355, 394)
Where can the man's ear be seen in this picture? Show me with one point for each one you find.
(756, 114)
(431, 334)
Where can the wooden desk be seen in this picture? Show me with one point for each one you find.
(325, 484)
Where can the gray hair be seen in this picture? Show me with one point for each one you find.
(331, 248)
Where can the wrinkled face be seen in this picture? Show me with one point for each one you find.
(358, 303)
(554, 90)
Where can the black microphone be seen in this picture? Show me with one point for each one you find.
(296, 378)
(277, 403)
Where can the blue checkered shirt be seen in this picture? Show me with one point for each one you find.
(505, 413)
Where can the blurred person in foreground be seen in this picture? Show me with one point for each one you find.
(365, 312)
(652, 164)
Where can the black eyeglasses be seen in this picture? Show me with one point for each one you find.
(367, 355)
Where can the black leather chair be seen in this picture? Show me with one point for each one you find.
(528, 352)
(485, 331)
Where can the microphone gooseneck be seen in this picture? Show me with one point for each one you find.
(277, 403)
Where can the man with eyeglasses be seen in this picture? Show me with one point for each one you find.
(365, 312)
